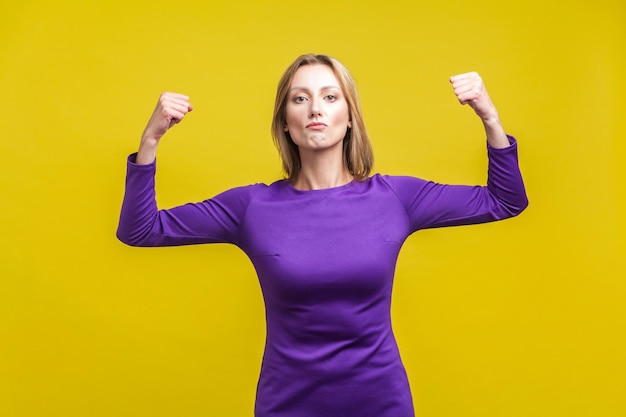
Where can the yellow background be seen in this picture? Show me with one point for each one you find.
(524, 317)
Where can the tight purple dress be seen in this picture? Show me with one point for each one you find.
(325, 260)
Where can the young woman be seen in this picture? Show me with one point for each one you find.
(325, 240)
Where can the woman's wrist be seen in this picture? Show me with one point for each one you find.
(496, 136)
(147, 151)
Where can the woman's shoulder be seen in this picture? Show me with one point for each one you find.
(258, 189)
(396, 180)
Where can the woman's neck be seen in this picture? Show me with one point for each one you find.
(321, 170)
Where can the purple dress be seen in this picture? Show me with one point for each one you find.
(325, 261)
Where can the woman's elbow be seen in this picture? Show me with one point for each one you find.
(131, 239)
(519, 206)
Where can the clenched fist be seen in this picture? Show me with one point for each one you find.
(469, 89)
(170, 110)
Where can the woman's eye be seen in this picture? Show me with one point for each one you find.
(331, 97)
(299, 99)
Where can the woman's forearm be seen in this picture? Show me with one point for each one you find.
(147, 151)
(496, 136)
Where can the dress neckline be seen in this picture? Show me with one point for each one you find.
(293, 189)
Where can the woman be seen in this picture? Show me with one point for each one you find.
(325, 240)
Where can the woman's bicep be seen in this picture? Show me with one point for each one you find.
(429, 204)
(216, 220)
(441, 205)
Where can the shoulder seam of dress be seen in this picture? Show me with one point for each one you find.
(408, 218)
(245, 212)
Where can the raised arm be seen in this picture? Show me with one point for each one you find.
(143, 224)
(430, 204)
(470, 89)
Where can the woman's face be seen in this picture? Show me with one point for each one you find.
(317, 112)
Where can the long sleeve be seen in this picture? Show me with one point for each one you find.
(429, 204)
(216, 220)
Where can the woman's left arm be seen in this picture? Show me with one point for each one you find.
(429, 204)
(470, 89)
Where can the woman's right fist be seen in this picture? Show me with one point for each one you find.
(170, 110)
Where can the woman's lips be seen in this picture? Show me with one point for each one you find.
(316, 126)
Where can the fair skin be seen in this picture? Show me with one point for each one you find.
(470, 90)
(170, 110)
(318, 117)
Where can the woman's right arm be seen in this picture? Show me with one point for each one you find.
(143, 224)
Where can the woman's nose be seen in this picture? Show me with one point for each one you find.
(315, 109)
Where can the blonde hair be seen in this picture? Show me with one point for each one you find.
(358, 157)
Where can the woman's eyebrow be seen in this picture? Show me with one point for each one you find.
(328, 87)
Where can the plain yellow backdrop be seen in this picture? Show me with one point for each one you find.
(524, 317)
